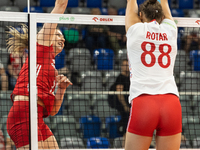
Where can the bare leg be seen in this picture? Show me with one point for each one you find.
(26, 147)
(124, 139)
(137, 142)
(168, 142)
(51, 143)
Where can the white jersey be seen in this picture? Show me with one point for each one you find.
(151, 50)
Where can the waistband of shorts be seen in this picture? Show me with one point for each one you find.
(157, 94)
(142, 95)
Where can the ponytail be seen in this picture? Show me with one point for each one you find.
(17, 41)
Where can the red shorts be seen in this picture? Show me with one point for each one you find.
(155, 112)
(18, 124)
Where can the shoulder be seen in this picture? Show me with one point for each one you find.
(169, 23)
(43, 48)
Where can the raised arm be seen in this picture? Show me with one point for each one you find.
(63, 82)
(45, 35)
(166, 10)
(131, 14)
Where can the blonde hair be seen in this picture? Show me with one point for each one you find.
(17, 41)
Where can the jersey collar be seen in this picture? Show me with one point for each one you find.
(154, 21)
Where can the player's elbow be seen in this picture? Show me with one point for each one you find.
(61, 4)
(54, 112)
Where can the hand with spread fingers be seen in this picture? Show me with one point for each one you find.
(63, 82)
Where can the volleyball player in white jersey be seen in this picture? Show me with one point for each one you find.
(152, 49)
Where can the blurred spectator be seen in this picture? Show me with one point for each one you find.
(2, 142)
(15, 63)
(60, 64)
(185, 143)
(122, 83)
(3, 78)
(8, 141)
(96, 36)
(10, 144)
(117, 3)
(117, 34)
(112, 11)
(192, 42)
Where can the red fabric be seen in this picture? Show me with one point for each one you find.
(16, 61)
(11, 58)
(46, 80)
(155, 112)
(18, 124)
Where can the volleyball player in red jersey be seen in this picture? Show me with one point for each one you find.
(154, 97)
(50, 42)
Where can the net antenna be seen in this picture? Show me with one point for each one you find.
(28, 5)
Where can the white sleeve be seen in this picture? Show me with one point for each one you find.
(169, 23)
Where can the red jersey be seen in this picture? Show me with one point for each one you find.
(46, 78)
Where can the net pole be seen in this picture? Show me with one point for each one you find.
(32, 83)
(28, 5)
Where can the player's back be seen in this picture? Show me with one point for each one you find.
(152, 50)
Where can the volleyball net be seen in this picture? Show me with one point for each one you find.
(93, 58)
